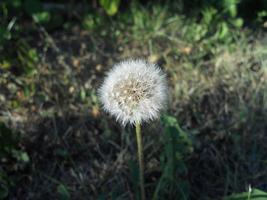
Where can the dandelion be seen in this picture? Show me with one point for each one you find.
(134, 92)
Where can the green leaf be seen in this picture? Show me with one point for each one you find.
(223, 30)
(209, 14)
(63, 192)
(110, 6)
(89, 22)
(177, 144)
(83, 94)
(255, 194)
(33, 55)
(238, 22)
(230, 6)
(4, 34)
(24, 157)
(5, 65)
(41, 17)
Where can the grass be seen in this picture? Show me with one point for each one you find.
(211, 143)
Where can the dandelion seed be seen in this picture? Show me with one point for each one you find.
(140, 91)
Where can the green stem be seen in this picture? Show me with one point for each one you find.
(140, 159)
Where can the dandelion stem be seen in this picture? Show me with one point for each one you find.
(140, 159)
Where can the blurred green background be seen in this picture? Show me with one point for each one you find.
(56, 143)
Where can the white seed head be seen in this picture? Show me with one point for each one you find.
(134, 91)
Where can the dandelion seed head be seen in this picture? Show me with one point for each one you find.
(134, 91)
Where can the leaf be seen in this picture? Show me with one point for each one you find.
(110, 6)
(5, 65)
(89, 22)
(33, 55)
(181, 136)
(238, 22)
(41, 17)
(231, 7)
(24, 157)
(63, 192)
(83, 94)
(208, 14)
(255, 194)
(4, 34)
(223, 30)
(176, 145)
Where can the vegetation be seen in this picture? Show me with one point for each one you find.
(55, 142)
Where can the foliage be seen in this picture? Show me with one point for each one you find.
(13, 159)
(177, 146)
(254, 194)
(217, 18)
(110, 6)
(17, 54)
